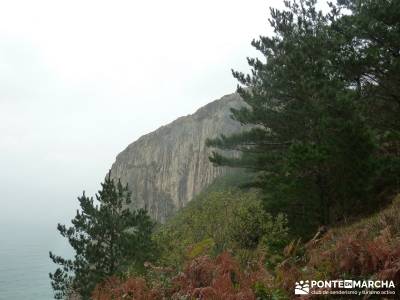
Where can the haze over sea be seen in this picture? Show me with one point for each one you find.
(24, 260)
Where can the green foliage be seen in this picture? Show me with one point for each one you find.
(106, 237)
(324, 105)
(221, 219)
(252, 226)
(204, 218)
(201, 248)
(369, 60)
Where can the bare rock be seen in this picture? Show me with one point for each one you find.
(166, 168)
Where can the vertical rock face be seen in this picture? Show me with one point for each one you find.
(165, 169)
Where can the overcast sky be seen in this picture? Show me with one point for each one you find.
(80, 80)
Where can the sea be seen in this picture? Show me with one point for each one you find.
(24, 259)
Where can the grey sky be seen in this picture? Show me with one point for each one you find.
(80, 80)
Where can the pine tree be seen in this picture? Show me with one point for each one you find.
(309, 145)
(369, 60)
(107, 238)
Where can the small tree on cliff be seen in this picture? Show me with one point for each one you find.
(107, 238)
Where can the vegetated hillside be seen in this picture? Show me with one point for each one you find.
(227, 225)
(203, 258)
(323, 143)
(366, 249)
(166, 168)
(211, 221)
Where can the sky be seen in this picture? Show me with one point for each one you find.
(81, 80)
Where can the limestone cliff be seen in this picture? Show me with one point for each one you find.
(165, 169)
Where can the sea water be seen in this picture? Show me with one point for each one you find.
(24, 259)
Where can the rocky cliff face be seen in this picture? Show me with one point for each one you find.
(165, 169)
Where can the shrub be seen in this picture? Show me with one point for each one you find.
(208, 217)
(132, 288)
(219, 278)
(202, 278)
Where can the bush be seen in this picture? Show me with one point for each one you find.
(207, 217)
